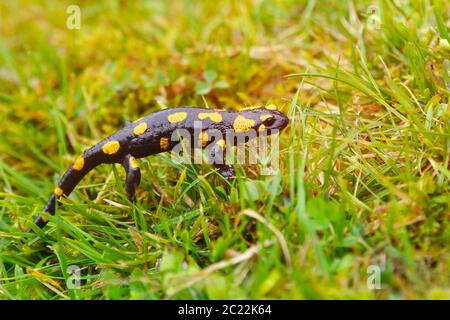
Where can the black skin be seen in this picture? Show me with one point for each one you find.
(143, 144)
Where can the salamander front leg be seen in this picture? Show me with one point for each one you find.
(133, 178)
(227, 171)
(217, 155)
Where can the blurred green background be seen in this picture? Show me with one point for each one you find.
(362, 196)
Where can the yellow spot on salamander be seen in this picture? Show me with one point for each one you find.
(271, 107)
(111, 147)
(203, 138)
(262, 128)
(265, 117)
(250, 108)
(177, 117)
(243, 124)
(140, 128)
(134, 164)
(45, 220)
(58, 191)
(221, 143)
(164, 143)
(79, 163)
(214, 116)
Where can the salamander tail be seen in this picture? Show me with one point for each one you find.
(65, 186)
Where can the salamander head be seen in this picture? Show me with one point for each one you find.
(262, 119)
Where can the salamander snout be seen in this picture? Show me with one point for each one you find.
(277, 121)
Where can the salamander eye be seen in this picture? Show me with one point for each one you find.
(269, 121)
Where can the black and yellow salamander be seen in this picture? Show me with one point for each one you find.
(153, 134)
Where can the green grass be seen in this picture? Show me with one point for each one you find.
(364, 165)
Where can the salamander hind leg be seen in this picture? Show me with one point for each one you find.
(133, 178)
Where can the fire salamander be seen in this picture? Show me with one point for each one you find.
(153, 134)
